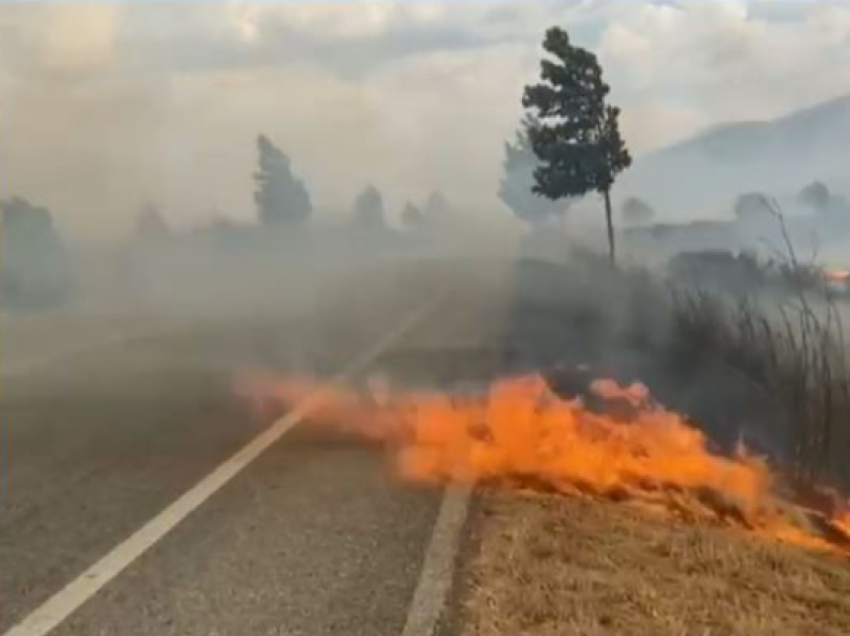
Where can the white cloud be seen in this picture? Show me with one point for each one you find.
(727, 60)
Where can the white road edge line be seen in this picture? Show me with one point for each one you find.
(435, 580)
(62, 604)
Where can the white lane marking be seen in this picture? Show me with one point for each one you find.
(435, 580)
(57, 608)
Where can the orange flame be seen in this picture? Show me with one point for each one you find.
(837, 275)
(841, 523)
(522, 433)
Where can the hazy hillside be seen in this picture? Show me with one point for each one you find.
(702, 175)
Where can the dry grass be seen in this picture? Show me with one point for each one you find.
(557, 566)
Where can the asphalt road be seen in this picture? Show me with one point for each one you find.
(314, 537)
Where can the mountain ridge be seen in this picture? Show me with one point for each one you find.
(702, 175)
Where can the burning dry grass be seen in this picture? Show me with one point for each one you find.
(548, 565)
(618, 519)
(519, 433)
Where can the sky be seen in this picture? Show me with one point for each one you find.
(105, 107)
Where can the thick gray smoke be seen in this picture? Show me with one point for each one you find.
(383, 129)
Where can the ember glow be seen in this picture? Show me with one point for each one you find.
(520, 434)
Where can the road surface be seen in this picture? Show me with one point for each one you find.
(314, 536)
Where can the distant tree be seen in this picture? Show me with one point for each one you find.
(369, 210)
(832, 210)
(412, 217)
(752, 206)
(636, 211)
(516, 189)
(815, 196)
(576, 134)
(437, 207)
(35, 268)
(151, 225)
(282, 199)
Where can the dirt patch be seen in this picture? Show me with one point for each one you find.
(551, 565)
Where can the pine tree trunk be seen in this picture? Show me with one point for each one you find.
(606, 195)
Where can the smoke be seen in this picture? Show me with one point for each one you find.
(110, 107)
(375, 93)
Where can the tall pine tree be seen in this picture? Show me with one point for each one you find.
(369, 210)
(575, 132)
(282, 199)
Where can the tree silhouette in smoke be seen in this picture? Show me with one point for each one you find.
(151, 226)
(35, 266)
(369, 210)
(753, 206)
(412, 217)
(516, 188)
(815, 196)
(575, 133)
(282, 199)
(437, 212)
(636, 211)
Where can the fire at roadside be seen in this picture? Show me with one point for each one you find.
(613, 442)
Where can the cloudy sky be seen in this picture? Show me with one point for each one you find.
(106, 106)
